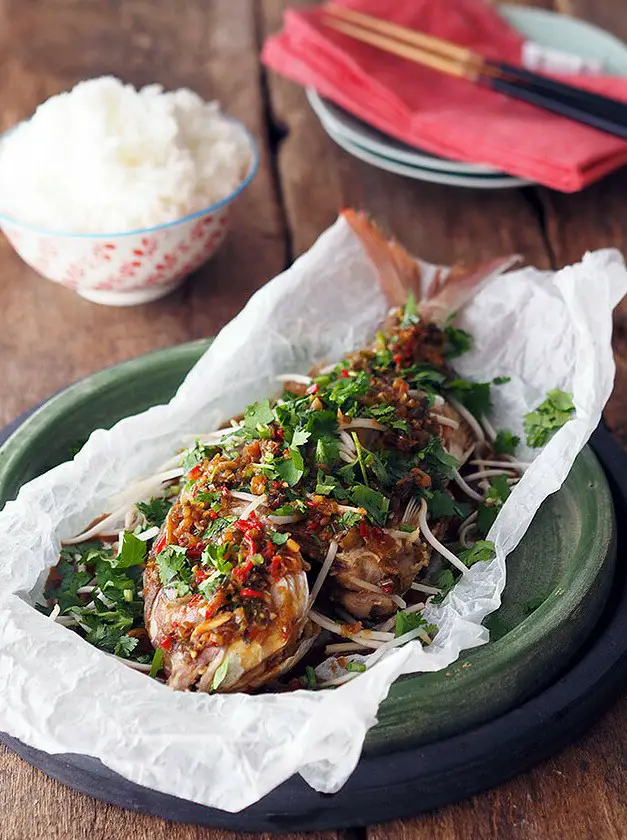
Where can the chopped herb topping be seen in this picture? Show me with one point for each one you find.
(155, 511)
(459, 341)
(220, 674)
(488, 510)
(481, 550)
(411, 621)
(553, 413)
(505, 443)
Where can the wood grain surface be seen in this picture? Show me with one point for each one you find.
(49, 337)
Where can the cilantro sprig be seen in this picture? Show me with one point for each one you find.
(554, 412)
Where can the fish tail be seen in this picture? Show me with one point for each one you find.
(398, 272)
(450, 291)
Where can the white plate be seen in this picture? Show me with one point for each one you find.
(547, 29)
(482, 182)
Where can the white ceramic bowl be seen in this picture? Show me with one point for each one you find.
(137, 266)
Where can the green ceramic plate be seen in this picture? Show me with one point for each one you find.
(558, 578)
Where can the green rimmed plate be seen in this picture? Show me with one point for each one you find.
(558, 578)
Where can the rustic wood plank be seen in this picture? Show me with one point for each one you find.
(34, 807)
(52, 336)
(578, 795)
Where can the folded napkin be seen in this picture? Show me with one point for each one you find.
(444, 115)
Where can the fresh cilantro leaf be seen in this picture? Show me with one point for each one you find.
(292, 468)
(501, 380)
(172, 563)
(349, 519)
(325, 484)
(196, 455)
(408, 621)
(258, 414)
(212, 498)
(346, 391)
(347, 473)
(357, 667)
(155, 511)
(481, 550)
(499, 488)
(310, 676)
(486, 516)
(215, 555)
(208, 586)
(436, 461)
(300, 437)
(441, 504)
(459, 341)
(284, 510)
(474, 395)
(157, 662)
(505, 442)
(327, 449)
(132, 552)
(278, 538)
(540, 425)
(71, 581)
(560, 400)
(125, 646)
(220, 674)
(375, 503)
(445, 582)
(425, 376)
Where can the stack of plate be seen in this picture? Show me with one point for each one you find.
(551, 33)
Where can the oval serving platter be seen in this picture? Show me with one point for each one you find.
(558, 578)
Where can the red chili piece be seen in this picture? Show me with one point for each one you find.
(245, 525)
(363, 528)
(251, 593)
(313, 389)
(275, 567)
(160, 544)
(167, 643)
(241, 572)
(344, 373)
(195, 472)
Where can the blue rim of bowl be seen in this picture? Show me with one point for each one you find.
(197, 214)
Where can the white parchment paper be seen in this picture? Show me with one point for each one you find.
(59, 694)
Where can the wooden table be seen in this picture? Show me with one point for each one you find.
(49, 337)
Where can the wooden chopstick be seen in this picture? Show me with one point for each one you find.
(453, 67)
(427, 42)
(601, 112)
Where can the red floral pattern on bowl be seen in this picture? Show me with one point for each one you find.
(126, 269)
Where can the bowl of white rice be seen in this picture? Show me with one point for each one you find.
(119, 193)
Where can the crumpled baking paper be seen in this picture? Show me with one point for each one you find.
(59, 694)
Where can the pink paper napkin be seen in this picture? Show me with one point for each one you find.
(441, 114)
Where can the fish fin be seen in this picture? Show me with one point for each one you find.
(397, 270)
(450, 291)
(399, 273)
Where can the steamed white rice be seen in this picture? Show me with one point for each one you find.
(107, 158)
